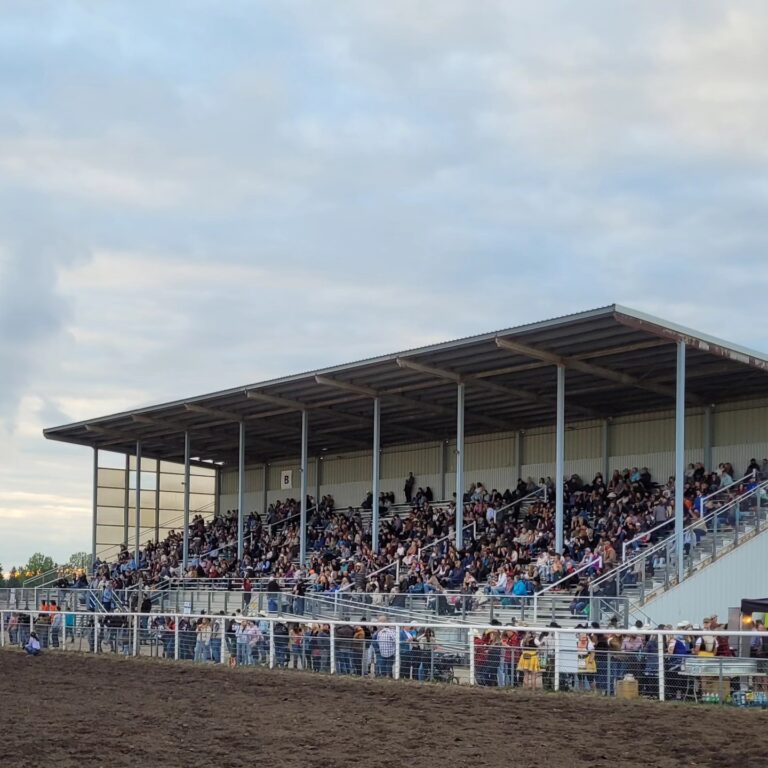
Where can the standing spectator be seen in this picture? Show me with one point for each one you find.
(241, 640)
(215, 646)
(296, 635)
(386, 640)
(410, 481)
(107, 597)
(247, 587)
(57, 622)
(203, 644)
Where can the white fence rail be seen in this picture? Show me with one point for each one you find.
(631, 663)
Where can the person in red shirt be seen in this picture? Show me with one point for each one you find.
(247, 588)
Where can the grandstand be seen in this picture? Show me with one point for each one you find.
(314, 469)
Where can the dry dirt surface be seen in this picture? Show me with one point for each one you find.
(68, 710)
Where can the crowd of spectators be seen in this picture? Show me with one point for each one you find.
(508, 546)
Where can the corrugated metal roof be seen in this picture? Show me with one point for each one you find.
(618, 361)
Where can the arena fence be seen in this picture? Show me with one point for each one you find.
(552, 658)
(466, 608)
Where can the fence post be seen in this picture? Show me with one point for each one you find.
(176, 649)
(736, 527)
(556, 679)
(271, 643)
(2, 628)
(96, 639)
(223, 639)
(471, 636)
(720, 692)
(333, 648)
(136, 623)
(396, 670)
(535, 607)
(660, 653)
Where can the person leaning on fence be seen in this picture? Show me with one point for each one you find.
(529, 663)
(384, 643)
(241, 641)
(203, 639)
(585, 653)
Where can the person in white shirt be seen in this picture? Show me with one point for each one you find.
(500, 587)
(33, 645)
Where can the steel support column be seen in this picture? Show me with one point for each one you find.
(137, 553)
(606, 450)
(241, 492)
(157, 502)
(708, 438)
(376, 473)
(303, 473)
(441, 462)
(518, 455)
(460, 466)
(680, 456)
(185, 549)
(95, 508)
(217, 493)
(127, 501)
(264, 489)
(559, 458)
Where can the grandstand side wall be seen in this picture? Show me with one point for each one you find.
(719, 586)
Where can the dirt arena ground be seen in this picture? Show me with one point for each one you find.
(71, 710)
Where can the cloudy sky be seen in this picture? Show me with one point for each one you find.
(195, 195)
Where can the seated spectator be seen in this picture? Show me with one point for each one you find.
(33, 645)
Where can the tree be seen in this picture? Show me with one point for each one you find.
(39, 563)
(13, 579)
(79, 561)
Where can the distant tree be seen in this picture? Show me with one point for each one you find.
(14, 579)
(79, 561)
(39, 563)
(2, 576)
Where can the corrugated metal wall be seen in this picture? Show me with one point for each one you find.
(739, 432)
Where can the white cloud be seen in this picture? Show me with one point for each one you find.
(202, 195)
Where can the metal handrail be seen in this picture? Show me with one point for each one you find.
(472, 525)
(393, 564)
(559, 582)
(643, 535)
(290, 517)
(151, 529)
(665, 544)
(704, 499)
(55, 573)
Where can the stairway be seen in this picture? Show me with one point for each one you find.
(653, 571)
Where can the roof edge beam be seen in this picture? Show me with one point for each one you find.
(702, 345)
